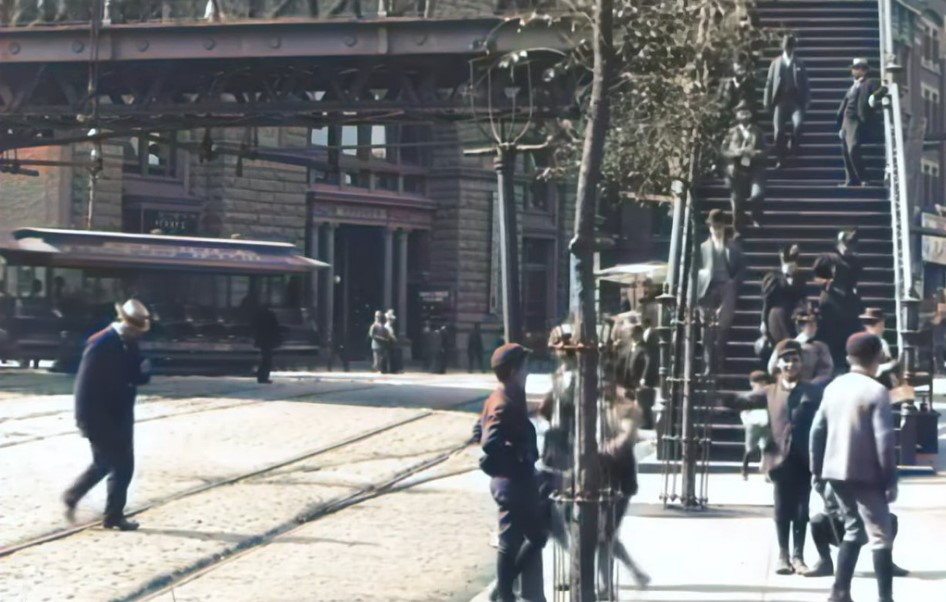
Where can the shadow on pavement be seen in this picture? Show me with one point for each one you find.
(722, 588)
(658, 511)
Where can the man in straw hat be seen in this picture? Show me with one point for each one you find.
(852, 446)
(874, 322)
(721, 265)
(854, 119)
(106, 384)
(792, 404)
(744, 150)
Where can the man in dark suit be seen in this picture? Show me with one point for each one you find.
(787, 96)
(720, 269)
(744, 151)
(783, 292)
(792, 405)
(267, 337)
(106, 385)
(854, 119)
(739, 88)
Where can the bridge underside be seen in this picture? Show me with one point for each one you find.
(160, 77)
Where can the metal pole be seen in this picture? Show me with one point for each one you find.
(688, 495)
(504, 164)
(311, 251)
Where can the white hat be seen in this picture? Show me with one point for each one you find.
(134, 314)
(390, 315)
(859, 62)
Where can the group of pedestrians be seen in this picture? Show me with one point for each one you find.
(385, 346)
(787, 97)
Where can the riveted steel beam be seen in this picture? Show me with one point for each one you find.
(291, 39)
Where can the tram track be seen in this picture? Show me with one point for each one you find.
(63, 533)
(162, 585)
(244, 403)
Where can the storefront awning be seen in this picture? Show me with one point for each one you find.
(634, 272)
(112, 250)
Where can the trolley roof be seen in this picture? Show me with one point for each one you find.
(116, 250)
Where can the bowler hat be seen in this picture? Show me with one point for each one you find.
(872, 314)
(863, 346)
(789, 254)
(860, 62)
(134, 313)
(716, 217)
(507, 354)
(787, 347)
(848, 236)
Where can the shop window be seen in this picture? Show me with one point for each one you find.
(414, 184)
(350, 140)
(318, 136)
(386, 181)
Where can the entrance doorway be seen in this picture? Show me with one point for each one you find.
(359, 261)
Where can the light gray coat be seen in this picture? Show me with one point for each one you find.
(852, 436)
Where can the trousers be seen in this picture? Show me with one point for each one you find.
(866, 514)
(782, 112)
(265, 364)
(717, 305)
(854, 169)
(112, 457)
(792, 484)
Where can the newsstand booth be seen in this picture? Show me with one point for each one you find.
(59, 286)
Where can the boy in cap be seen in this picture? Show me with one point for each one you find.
(755, 422)
(817, 367)
(852, 447)
(510, 449)
(791, 405)
(106, 385)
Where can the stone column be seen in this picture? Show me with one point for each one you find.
(328, 290)
(388, 292)
(312, 251)
(402, 283)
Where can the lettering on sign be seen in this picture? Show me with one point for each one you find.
(361, 213)
(126, 249)
(439, 297)
(171, 222)
(934, 247)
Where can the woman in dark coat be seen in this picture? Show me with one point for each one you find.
(783, 292)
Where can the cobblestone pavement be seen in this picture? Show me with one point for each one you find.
(230, 427)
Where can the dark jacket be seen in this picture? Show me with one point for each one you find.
(652, 344)
(106, 385)
(838, 320)
(855, 115)
(775, 83)
(736, 260)
(790, 419)
(266, 332)
(508, 436)
(777, 292)
(636, 368)
(732, 92)
(844, 269)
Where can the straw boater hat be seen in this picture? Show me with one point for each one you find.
(860, 63)
(133, 313)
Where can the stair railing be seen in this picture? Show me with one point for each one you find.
(900, 219)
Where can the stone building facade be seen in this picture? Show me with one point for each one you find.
(397, 210)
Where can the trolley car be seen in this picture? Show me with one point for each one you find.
(59, 286)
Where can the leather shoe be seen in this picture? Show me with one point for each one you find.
(784, 567)
(900, 571)
(122, 524)
(822, 568)
(70, 508)
(837, 596)
(799, 566)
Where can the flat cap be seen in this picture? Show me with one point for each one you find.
(507, 354)
(787, 347)
(863, 346)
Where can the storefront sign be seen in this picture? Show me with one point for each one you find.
(177, 223)
(437, 297)
(934, 247)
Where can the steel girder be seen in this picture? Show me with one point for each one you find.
(167, 77)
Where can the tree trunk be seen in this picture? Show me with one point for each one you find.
(584, 526)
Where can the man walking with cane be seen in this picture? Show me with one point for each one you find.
(852, 448)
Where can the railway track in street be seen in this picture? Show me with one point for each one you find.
(238, 404)
(362, 493)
